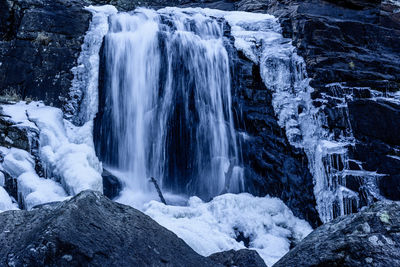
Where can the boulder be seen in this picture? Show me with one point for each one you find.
(90, 230)
(240, 258)
(368, 238)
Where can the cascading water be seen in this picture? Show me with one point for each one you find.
(167, 105)
(167, 99)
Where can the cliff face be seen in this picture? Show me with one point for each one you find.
(352, 51)
(40, 42)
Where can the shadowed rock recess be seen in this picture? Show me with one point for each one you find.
(91, 230)
(368, 238)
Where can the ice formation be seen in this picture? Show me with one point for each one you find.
(32, 189)
(212, 227)
(81, 106)
(66, 154)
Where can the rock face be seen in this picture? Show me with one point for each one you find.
(368, 238)
(272, 165)
(352, 51)
(90, 230)
(40, 42)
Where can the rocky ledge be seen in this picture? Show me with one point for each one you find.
(91, 230)
(368, 238)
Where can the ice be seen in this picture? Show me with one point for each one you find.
(66, 151)
(75, 164)
(213, 227)
(32, 190)
(35, 190)
(85, 83)
(17, 162)
(5, 201)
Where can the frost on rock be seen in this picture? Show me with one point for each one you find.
(66, 151)
(212, 227)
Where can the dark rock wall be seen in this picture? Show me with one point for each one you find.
(40, 42)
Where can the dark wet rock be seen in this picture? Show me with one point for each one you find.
(111, 184)
(368, 238)
(240, 258)
(90, 230)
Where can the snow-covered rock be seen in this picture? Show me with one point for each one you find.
(66, 153)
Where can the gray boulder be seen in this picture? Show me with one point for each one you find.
(240, 258)
(90, 230)
(368, 238)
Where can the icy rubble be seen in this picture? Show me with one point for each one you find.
(66, 154)
(212, 227)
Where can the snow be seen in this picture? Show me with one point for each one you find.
(212, 227)
(66, 158)
(66, 151)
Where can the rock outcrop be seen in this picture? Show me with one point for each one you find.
(90, 230)
(368, 238)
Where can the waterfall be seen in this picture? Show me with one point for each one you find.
(167, 104)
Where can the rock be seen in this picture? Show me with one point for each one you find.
(240, 258)
(377, 119)
(355, 44)
(111, 184)
(368, 238)
(39, 45)
(90, 230)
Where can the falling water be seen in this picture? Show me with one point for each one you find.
(167, 104)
